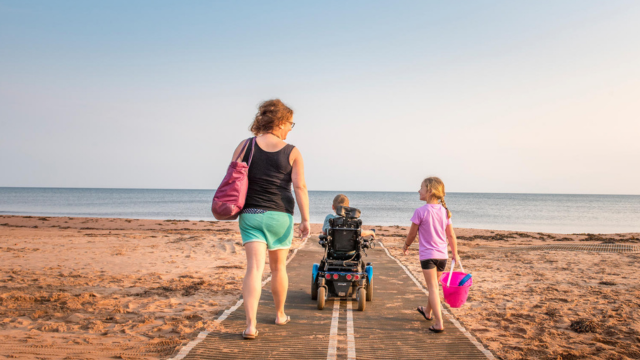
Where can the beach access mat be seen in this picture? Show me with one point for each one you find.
(389, 328)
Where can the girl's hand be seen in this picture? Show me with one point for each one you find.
(405, 248)
(456, 258)
(304, 229)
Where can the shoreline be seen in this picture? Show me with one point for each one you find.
(210, 220)
(152, 285)
(549, 213)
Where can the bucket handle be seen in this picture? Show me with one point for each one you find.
(453, 263)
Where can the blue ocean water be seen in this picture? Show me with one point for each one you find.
(523, 212)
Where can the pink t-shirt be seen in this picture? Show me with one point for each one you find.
(432, 221)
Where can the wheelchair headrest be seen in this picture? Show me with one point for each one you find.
(348, 212)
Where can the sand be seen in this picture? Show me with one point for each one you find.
(124, 288)
(523, 303)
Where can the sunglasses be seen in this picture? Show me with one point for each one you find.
(292, 124)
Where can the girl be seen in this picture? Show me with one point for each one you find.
(433, 222)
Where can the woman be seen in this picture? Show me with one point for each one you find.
(266, 221)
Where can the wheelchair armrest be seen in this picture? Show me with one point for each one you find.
(323, 240)
(368, 243)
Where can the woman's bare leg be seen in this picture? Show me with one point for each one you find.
(279, 281)
(252, 285)
(431, 278)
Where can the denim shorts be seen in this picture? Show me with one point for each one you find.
(273, 228)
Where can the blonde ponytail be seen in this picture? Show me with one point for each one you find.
(437, 188)
(444, 205)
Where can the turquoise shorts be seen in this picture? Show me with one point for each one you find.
(273, 228)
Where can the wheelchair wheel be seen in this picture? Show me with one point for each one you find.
(370, 290)
(314, 288)
(322, 294)
(362, 299)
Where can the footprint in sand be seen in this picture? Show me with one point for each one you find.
(230, 246)
(226, 247)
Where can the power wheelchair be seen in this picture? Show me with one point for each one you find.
(342, 271)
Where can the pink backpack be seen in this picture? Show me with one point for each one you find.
(232, 192)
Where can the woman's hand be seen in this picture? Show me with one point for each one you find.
(405, 248)
(304, 229)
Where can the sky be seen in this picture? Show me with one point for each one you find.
(491, 96)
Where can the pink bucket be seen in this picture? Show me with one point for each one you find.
(455, 295)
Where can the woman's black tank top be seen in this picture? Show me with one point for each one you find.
(269, 180)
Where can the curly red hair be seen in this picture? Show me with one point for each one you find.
(271, 114)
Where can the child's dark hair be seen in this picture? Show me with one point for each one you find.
(339, 200)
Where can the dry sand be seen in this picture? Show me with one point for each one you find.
(106, 288)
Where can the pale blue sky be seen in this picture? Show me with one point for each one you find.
(492, 96)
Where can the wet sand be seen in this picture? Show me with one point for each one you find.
(150, 286)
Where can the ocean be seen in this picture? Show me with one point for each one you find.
(519, 212)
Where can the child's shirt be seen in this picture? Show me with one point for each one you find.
(325, 225)
(432, 221)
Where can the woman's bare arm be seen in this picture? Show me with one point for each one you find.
(300, 189)
(238, 150)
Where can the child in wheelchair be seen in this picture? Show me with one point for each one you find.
(341, 200)
(342, 271)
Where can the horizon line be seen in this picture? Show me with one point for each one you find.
(381, 191)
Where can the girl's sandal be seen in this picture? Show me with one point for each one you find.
(421, 311)
(432, 328)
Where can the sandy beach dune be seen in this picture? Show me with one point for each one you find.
(108, 288)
